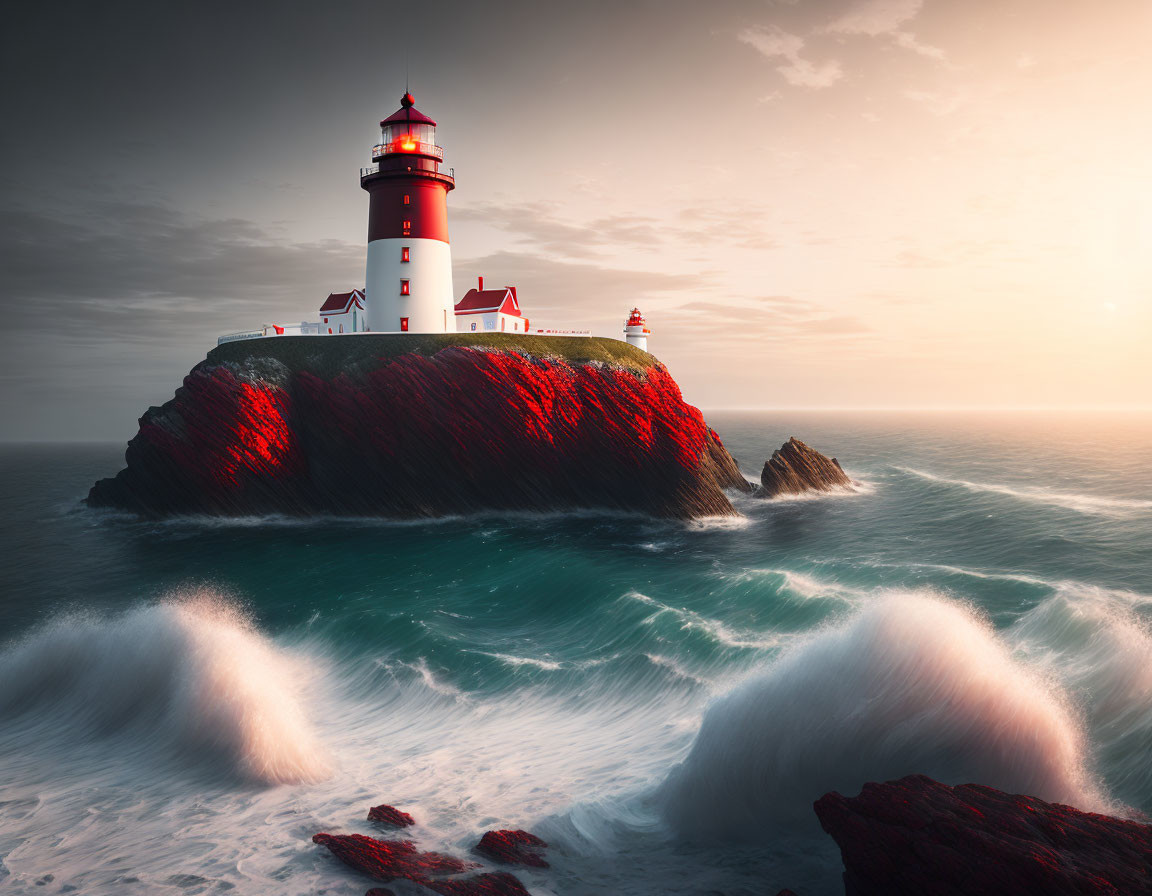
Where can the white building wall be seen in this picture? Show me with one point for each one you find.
(429, 305)
(490, 322)
(351, 323)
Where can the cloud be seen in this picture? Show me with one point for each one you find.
(883, 18)
(938, 103)
(773, 42)
(875, 17)
(576, 294)
(908, 41)
(539, 226)
(128, 271)
(772, 319)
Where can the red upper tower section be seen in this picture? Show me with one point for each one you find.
(409, 191)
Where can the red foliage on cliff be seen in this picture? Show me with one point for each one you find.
(464, 429)
(921, 838)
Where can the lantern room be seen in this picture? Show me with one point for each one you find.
(407, 131)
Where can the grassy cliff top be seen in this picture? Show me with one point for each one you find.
(329, 355)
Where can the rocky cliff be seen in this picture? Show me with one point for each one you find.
(795, 468)
(916, 836)
(408, 425)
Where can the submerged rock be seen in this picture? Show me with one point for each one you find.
(495, 883)
(407, 425)
(513, 848)
(916, 836)
(390, 815)
(389, 859)
(795, 468)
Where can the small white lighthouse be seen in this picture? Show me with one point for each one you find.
(635, 332)
(408, 283)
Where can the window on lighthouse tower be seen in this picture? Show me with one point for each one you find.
(405, 253)
(404, 290)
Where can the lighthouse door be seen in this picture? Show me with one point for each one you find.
(353, 320)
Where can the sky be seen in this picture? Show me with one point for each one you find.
(816, 203)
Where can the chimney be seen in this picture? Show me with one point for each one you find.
(481, 286)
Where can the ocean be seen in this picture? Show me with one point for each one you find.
(184, 704)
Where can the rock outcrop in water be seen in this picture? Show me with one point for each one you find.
(915, 836)
(795, 468)
(513, 848)
(390, 815)
(407, 425)
(389, 859)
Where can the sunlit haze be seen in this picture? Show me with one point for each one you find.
(878, 204)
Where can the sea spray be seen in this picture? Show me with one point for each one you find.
(911, 683)
(188, 680)
(1093, 640)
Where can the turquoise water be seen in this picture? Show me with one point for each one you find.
(183, 704)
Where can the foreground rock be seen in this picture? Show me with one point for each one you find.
(390, 815)
(795, 468)
(411, 425)
(916, 837)
(389, 859)
(513, 848)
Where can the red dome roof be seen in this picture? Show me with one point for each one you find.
(407, 112)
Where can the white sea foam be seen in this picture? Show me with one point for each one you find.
(800, 584)
(187, 680)
(713, 628)
(1090, 504)
(723, 523)
(912, 683)
(674, 666)
(1092, 641)
(858, 488)
(433, 682)
(535, 663)
(990, 575)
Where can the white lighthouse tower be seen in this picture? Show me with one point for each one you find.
(408, 283)
(635, 331)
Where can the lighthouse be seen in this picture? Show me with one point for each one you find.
(635, 332)
(408, 282)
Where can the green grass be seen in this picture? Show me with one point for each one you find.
(327, 356)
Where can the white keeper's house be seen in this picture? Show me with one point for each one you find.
(490, 309)
(343, 312)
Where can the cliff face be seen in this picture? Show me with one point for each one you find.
(383, 425)
(795, 468)
(916, 836)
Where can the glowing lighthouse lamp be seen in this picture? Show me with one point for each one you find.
(408, 282)
(635, 332)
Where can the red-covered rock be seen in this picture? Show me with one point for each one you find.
(379, 891)
(513, 848)
(917, 837)
(390, 815)
(389, 859)
(413, 425)
(497, 883)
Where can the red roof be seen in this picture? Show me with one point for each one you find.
(478, 301)
(340, 301)
(407, 112)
